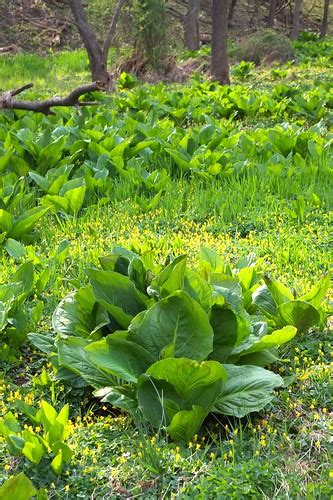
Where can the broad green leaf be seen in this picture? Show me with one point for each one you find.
(48, 413)
(247, 389)
(42, 342)
(17, 442)
(40, 180)
(33, 451)
(138, 274)
(247, 277)
(6, 221)
(229, 289)
(117, 294)
(263, 298)
(210, 257)
(73, 356)
(75, 198)
(192, 381)
(176, 384)
(62, 251)
(229, 330)
(62, 416)
(57, 463)
(122, 358)
(158, 400)
(55, 433)
(122, 397)
(11, 423)
(175, 326)
(262, 358)
(317, 293)
(64, 448)
(171, 278)
(29, 411)
(278, 337)
(4, 159)
(17, 487)
(76, 314)
(4, 312)
(25, 275)
(51, 154)
(280, 293)
(181, 158)
(198, 288)
(27, 221)
(300, 314)
(58, 202)
(10, 292)
(186, 423)
(15, 249)
(36, 312)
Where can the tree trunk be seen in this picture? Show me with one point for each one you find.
(192, 35)
(219, 63)
(231, 10)
(271, 15)
(296, 19)
(97, 60)
(324, 23)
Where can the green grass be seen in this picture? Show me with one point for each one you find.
(283, 452)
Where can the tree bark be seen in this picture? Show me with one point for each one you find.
(219, 62)
(113, 26)
(231, 10)
(324, 23)
(192, 34)
(296, 19)
(97, 54)
(271, 15)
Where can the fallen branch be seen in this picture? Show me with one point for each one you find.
(9, 49)
(72, 99)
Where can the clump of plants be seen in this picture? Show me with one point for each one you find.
(19, 311)
(172, 343)
(41, 442)
(243, 70)
(266, 46)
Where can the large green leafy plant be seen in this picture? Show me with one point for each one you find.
(176, 343)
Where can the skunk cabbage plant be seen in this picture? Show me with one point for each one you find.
(176, 343)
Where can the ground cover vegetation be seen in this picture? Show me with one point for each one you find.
(164, 285)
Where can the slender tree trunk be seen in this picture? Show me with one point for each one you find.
(219, 63)
(192, 34)
(97, 60)
(271, 15)
(324, 23)
(231, 10)
(113, 26)
(296, 19)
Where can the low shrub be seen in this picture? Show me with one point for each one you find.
(266, 46)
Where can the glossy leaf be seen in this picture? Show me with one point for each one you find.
(175, 326)
(247, 389)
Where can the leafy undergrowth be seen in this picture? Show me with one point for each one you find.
(168, 179)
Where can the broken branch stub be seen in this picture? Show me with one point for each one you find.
(44, 106)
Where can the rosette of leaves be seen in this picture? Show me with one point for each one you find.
(172, 342)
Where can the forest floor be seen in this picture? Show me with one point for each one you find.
(271, 198)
